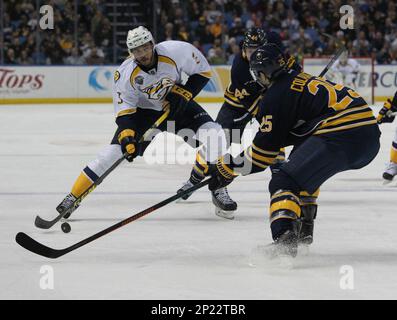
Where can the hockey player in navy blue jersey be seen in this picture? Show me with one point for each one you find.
(330, 126)
(240, 107)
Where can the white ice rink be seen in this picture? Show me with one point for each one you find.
(181, 251)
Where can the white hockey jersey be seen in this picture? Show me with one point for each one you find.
(134, 88)
(346, 73)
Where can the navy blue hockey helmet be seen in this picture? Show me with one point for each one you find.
(254, 38)
(268, 60)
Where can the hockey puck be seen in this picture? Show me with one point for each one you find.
(66, 227)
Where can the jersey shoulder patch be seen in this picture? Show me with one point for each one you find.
(116, 76)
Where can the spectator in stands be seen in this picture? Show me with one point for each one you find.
(217, 27)
(361, 45)
(169, 31)
(235, 49)
(300, 24)
(94, 57)
(24, 58)
(10, 57)
(216, 56)
(183, 34)
(75, 58)
(207, 38)
(213, 12)
(200, 29)
(237, 31)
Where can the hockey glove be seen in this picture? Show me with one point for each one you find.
(128, 144)
(221, 174)
(387, 113)
(177, 99)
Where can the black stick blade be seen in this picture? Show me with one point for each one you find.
(43, 224)
(33, 246)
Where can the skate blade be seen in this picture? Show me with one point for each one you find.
(224, 214)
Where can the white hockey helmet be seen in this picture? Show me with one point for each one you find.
(137, 37)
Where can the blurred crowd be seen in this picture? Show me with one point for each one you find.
(216, 27)
(24, 46)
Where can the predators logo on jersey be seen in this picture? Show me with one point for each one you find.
(158, 90)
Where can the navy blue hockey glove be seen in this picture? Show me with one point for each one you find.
(221, 175)
(177, 99)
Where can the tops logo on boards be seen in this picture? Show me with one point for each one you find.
(100, 79)
(13, 81)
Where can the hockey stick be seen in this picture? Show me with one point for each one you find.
(46, 224)
(332, 61)
(36, 247)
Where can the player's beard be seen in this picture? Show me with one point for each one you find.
(146, 61)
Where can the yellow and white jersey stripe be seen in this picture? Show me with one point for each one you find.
(347, 119)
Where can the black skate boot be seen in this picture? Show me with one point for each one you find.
(187, 185)
(194, 179)
(286, 244)
(67, 205)
(224, 205)
(306, 224)
(390, 172)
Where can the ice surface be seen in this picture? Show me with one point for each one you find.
(182, 251)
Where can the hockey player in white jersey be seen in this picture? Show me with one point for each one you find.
(345, 70)
(145, 85)
(388, 114)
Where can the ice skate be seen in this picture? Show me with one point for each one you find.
(390, 172)
(187, 185)
(305, 228)
(67, 205)
(305, 237)
(224, 205)
(285, 246)
(280, 253)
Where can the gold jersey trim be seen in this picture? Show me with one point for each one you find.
(166, 59)
(346, 127)
(134, 74)
(126, 112)
(207, 74)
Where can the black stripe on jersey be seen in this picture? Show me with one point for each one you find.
(394, 144)
(284, 196)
